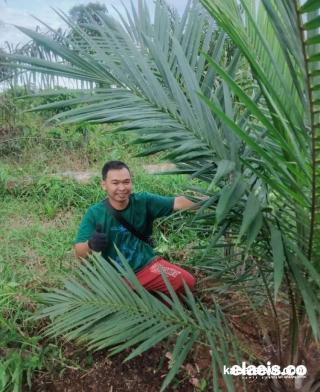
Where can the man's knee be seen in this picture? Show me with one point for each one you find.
(188, 279)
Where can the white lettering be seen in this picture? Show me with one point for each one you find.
(226, 370)
(301, 370)
(268, 371)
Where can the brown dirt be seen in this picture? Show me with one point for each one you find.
(147, 372)
(159, 168)
(78, 175)
(61, 220)
(144, 373)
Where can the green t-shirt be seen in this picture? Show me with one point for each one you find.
(142, 210)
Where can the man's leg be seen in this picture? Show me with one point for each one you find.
(151, 279)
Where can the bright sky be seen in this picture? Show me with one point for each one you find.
(19, 12)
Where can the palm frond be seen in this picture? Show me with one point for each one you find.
(254, 142)
(162, 70)
(278, 39)
(105, 306)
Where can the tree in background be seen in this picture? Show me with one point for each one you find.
(82, 13)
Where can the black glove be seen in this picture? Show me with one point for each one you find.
(98, 240)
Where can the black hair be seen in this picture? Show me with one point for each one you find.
(113, 165)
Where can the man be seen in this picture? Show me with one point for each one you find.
(107, 224)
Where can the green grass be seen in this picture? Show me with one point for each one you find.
(40, 213)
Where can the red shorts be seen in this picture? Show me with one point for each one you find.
(151, 279)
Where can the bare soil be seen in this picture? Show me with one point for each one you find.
(144, 373)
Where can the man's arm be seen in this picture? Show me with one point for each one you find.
(82, 250)
(85, 231)
(97, 242)
(182, 203)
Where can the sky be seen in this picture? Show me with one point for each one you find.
(19, 12)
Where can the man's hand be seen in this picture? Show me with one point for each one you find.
(182, 203)
(98, 240)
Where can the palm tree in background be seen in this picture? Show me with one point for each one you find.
(246, 124)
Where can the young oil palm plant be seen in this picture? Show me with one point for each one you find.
(253, 141)
(14, 77)
(280, 41)
(100, 309)
(148, 75)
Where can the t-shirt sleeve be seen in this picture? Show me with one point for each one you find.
(86, 228)
(159, 206)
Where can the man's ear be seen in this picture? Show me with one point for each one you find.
(103, 185)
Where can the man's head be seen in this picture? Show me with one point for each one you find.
(116, 181)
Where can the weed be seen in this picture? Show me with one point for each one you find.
(40, 212)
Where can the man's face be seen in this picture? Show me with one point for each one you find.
(118, 184)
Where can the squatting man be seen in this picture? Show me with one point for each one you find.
(124, 220)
